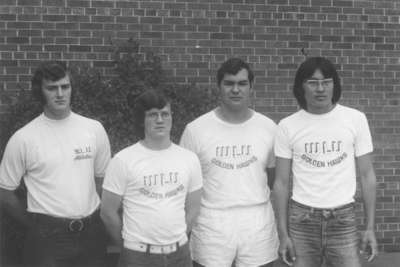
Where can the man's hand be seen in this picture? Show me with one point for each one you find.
(286, 251)
(369, 245)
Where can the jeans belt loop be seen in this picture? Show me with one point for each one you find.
(327, 213)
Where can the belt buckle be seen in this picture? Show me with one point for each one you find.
(167, 249)
(75, 225)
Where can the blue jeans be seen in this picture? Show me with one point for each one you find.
(53, 243)
(179, 258)
(324, 235)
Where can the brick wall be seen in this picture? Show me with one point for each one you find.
(194, 36)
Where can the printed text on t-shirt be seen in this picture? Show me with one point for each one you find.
(83, 153)
(226, 156)
(313, 149)
(160, 179)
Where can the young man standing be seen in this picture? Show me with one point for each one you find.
(235, 147)
(58, 154)
(158, 185)
(321, 145)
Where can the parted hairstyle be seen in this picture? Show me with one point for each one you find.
(47, 70)
(145, 101)
(233, 66)
(306, 71)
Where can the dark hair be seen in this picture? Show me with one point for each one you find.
(145, 101)
(233, 66)
(47, 70)
(306, 71)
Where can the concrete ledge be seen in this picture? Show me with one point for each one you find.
(383, 260)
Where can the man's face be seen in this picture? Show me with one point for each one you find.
(318, 92)
(158, 123)
(57, 95)
(235, 90)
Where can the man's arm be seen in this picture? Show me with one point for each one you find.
(271, 177)
(10, 203)
(281, 199)
(368, 187)
(111, 204)
(99, 184)
(192, 206)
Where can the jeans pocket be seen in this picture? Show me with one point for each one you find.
(299, 216)
(348, 219)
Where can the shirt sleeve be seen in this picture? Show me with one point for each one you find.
(271, 153)
(187, 140)
(13, 164)
(115, 179)
(281, 145)
(196, 178)
(103, 152)
(363, 144)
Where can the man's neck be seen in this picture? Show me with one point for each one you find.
(56, 116)
(233, 116)
(156, 144)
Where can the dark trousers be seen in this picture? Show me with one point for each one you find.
(54, 242)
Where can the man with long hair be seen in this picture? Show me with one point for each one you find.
(321, 144)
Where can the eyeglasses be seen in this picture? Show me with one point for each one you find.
(155, 115)
(314, 83)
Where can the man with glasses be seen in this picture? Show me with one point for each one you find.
(235, 147)
(158, 186)
(58, 154)
(321, 145)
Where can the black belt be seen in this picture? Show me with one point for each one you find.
(71, 225)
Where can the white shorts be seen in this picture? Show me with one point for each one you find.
(244, 235)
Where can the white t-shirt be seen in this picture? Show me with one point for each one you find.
(153, 185)
(58, 160)
(323, 150)
(234, 158)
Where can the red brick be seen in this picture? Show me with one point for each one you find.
(78, 3)
(243, 36)
(185, 28)
(8, 17)
(101, 19)
(90, 26)
(127, 19)
(18, 25)
(180, 21)
(29, 17)
(54, 17)
(103, 3)
(58, 3)
(17, 40)
(151, 34)
(220, 36)
(28, 2)
(126, 4)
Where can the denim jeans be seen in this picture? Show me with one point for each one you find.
(324, 235)
(179, 258)
(53, 244)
